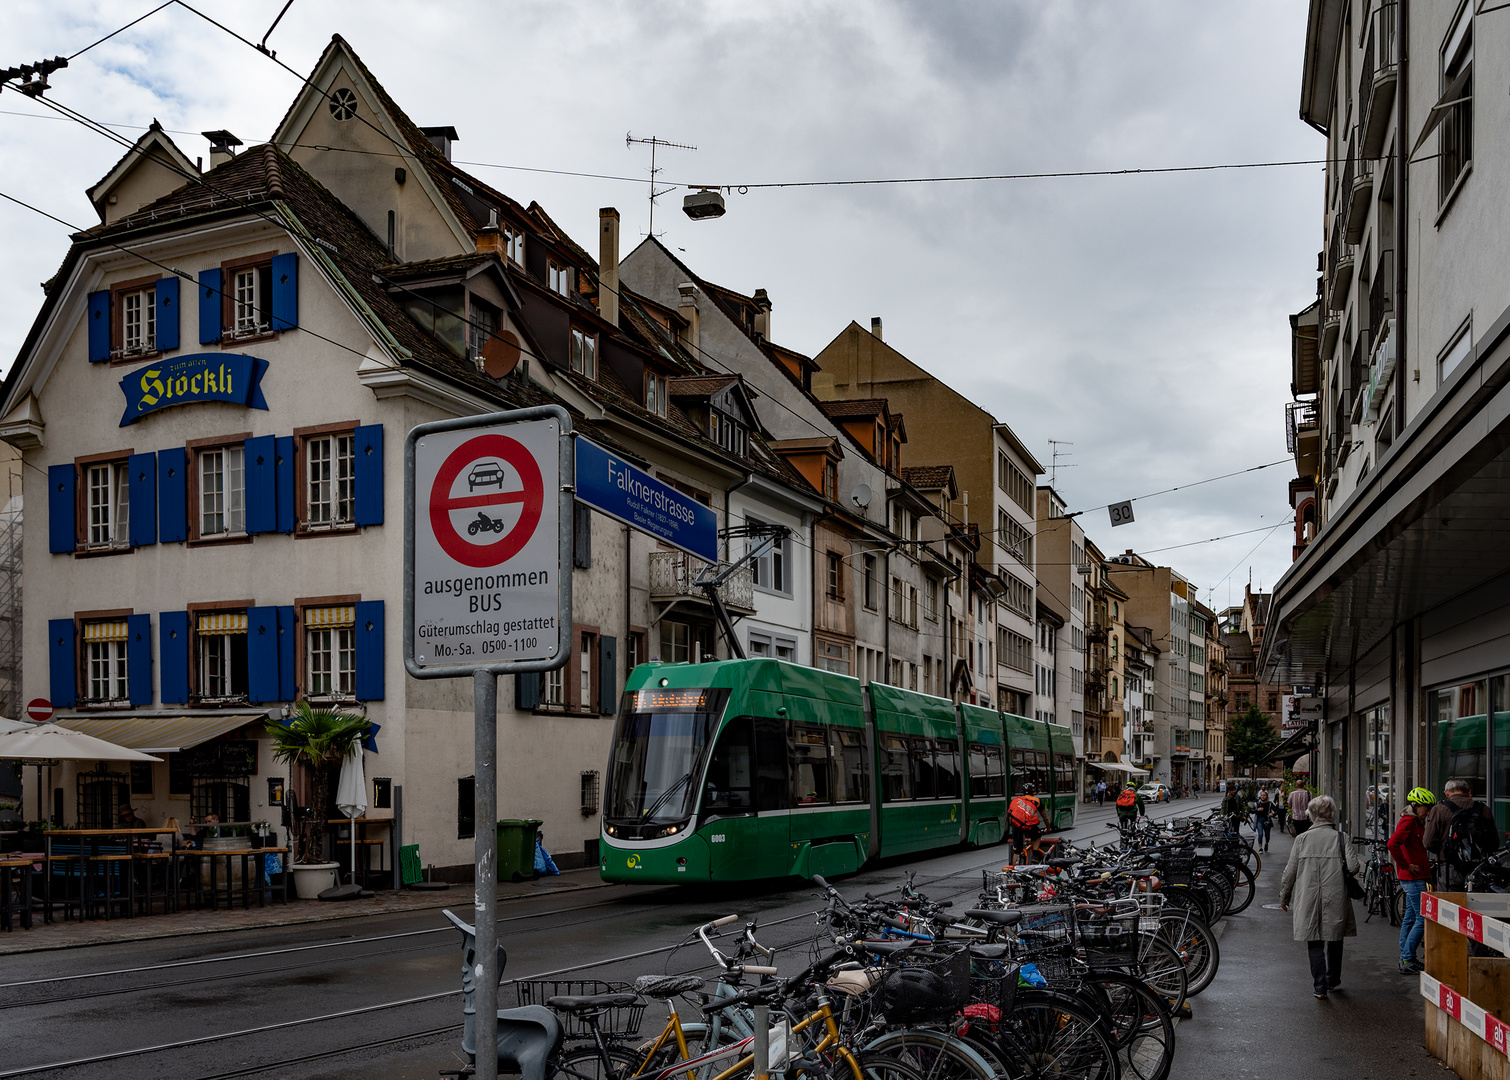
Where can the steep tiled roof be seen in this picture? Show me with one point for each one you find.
(859, 407)
(928, 477)
(700, 385)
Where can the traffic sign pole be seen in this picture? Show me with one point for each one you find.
(473, 569)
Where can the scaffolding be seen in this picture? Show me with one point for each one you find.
(11, 704)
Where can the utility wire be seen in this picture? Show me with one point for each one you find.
(128, 26)
(1180, 487)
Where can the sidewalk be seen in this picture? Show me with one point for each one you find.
(71, 935)
(1259, 1019)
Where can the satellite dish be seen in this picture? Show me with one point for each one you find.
(861, 495)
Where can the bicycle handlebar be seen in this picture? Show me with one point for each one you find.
(725, 921)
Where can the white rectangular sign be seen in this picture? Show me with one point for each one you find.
(487, 545)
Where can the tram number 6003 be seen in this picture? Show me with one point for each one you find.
(514, 646)
(716, 838)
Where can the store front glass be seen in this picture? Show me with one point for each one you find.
(1499, 700)
(1379, 795)
(1459, 737)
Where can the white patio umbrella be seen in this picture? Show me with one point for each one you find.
(351, 797)
(64, 744)
(7, 726)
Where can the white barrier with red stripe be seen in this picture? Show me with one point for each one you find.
(1487, 931)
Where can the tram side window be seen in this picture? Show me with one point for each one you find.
(1064, 773)
(924, 779)
(849, 757)
(729, 787)
(896, 769)
(946, 768)
(771, 791)
(985, 771)
(812, 777)
(1041, 770)
(1022, 769)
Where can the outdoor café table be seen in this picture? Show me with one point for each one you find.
(362, 842)
(93, 837)
(9, 866)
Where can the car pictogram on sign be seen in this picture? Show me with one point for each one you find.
(485, 474)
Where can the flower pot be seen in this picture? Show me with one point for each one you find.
(311, 879)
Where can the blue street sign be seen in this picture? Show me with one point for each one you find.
(608, 483)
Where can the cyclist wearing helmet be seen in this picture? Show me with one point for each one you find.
(1408, 848)
(1025, 815)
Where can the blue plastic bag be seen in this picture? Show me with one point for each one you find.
(544, 864)
(1029, 975)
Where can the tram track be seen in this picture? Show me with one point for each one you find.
(404, 1003)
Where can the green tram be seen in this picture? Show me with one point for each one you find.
(745, 769)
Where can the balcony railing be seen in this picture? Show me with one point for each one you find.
(1381, 296)
(1358, 191)
(672, 574)
(1339, 265)
(1376, 79)
(1299, 416)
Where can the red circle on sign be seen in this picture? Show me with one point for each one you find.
(531, 497)
(39, 709)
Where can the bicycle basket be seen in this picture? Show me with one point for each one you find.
(617, 1021)
(929, 983)
(1178, 870)
(993, 982)
(1044, 924)
(1110, 942)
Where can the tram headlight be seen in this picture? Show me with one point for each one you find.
(672, 830)
(611, 830)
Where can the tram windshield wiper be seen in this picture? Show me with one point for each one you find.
(649, 813)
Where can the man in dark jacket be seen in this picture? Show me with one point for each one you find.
(1459, 796)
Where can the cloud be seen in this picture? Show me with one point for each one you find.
(1141, 318)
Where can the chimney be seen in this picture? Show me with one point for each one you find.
(763, 314)
(490, 236)
(875, 327)
(608, 264)
(441, 138)
(222, 146)
(686, 307)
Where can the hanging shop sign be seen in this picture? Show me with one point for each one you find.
(231, 377)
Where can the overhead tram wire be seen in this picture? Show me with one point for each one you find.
(128, 26)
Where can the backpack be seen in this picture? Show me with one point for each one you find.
(1128, 799)
(1471, 836)
(1024, 812)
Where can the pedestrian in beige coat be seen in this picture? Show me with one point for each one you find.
(1314, 887)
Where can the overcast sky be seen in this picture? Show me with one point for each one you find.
(1142, 319)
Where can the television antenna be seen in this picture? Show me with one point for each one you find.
(655, 144)
(1054, 465)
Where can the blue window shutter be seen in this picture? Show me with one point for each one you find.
(288, 642)
(283, 459)
(62, 506)
(173, 657)
(143, 474)
(527, 691)
(261, 485)
(369, 474)
(167, 313)
(99, 326)
(262, 654)
(62, 668)
(209, 306)
(369, 630)
(608, 678)
(139, 658)
(172, 496)
(285, 291)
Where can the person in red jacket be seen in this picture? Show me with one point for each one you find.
(1412, 866)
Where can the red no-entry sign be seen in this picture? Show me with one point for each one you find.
(507, 475)
(39, 709)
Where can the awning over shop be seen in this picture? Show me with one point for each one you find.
(1298, 743)
(1117, 766)
(160, 734)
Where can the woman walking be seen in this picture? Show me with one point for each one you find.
(1261, 821)
(1314, 883)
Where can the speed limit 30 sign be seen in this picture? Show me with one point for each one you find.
(488, 544)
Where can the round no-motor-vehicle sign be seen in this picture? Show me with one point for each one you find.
(487, 544)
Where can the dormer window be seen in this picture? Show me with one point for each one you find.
(728, 433)
(483, 324)
(558, 278)
(513, 244)
(584, 353)
(655, 393)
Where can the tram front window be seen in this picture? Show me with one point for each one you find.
(658, 749)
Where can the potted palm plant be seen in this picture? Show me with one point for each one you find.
(317, 738)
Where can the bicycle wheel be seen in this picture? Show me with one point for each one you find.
(934, 1055)
(1197, 946)
(699, 1042)
(1050, 1037)
(1142, 1026)
(875, 1066)
(1245, 890)
(1163, 969)
(1397, 904)
(1371, 905)
(582, 1062)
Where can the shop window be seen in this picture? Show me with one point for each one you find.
(330, 656)
(107, 489)
(1460, 744)
(222, 491)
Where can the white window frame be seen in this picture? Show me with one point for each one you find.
(215, 670)
(330, 661)
(655, 393)
(138, 322)
(330, 480)
(107, 487)
(513, 244)
(773, 569)
(248, 304)
(558, 278)
(107, 678)
(584, 353)
(225, 506)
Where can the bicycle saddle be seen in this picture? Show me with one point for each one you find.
(990, 952)
(1002, 918)
(592, 1003)
(664, 986)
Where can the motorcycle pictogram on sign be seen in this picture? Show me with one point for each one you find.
(492, 461)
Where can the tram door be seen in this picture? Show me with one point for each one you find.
(745, 820)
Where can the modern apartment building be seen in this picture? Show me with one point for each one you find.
(1064, 581)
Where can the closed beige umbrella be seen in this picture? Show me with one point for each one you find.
(55, 742)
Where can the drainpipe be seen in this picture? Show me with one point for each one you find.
(886, 608)
(1402, 165)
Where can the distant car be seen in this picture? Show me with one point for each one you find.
(485, 474)
(1155, 791)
